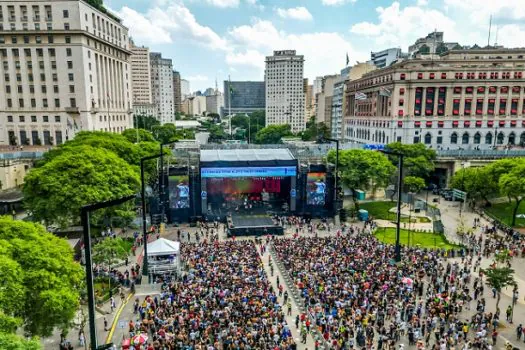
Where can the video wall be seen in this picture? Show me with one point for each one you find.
(233, 172)
(243, 185)
(179, 191)
(316, 189)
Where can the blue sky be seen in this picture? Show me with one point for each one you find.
(211, 39)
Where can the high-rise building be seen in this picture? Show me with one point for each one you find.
(433, 43)
(162, 87)
(65, 67)
(214, 102)
(246, 97)
(177, 94)
(385, 58)
(141, 81)
(284, 90)
(184, 88)
(323, 100)
(465, 99)
(309, 109)
(338, 99)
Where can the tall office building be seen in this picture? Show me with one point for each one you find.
(184, 88)
(162, 87)
(385, 58)
(284, 90)
(65, 67)
(246, 97)
(177, 95)
(141, 81)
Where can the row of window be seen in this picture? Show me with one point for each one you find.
(469, 75)
(466, 124)
(39, 52)
(34, 138)
(33, 118)
(45, 103)
(43, 89)
(37, 38)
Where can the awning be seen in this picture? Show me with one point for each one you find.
(163, 246)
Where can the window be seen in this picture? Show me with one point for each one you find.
(50, 39)
(55, 89)
(33, 103)
(465, 138)
(45, 119)
(71, 89)
(57, 102)
(26, 39)
(33, 119)
(477, 138)
(47, 137)
(21, 102)
(8, 89)
(20, 89)
(58, 137)
(68, 52)
(55, 77)
(38, 39)
(42, 77)
(72, 102)
(9, 118)
(454, 138)
(70, 64)
(23, 137)
(44, 103)
(21, 119)
(32, 89)
(65, 13)
(500, 138)
(488, 139)
(71, 77)
(57, 119)
(512, 139)
(428, 138)
(51, 52)
(66, 26)
(68, 40)
(53, 64)
(14, 40)
(439, 140)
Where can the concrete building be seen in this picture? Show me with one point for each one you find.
(385, 58)
(65, 67)
(309, 109)
(162, 87)
(246, 97)
(209, 92)
(214, 102)
(194, 105)
(284, 90)
(177, 93)
(184, 88)
(468, 99)
(432, 42)
(141, 81)
(317, 86)
(323, 100)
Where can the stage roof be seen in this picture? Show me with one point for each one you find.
(246, 155)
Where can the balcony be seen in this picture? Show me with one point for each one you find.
(72, 110)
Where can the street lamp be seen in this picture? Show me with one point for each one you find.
(143, 198)
(399, 184)
(84, 216)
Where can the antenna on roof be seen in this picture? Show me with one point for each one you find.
(490, 27)
(496, 41)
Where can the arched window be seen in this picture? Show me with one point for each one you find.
(512, 138)
(428, 138)
(454, 138)
(488, 138)
(477, 138)
(522, 138)
(465, 138)
(501, 138)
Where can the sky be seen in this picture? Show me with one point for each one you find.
(209, 40)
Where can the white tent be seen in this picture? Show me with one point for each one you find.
(160, 256)
(163, 246)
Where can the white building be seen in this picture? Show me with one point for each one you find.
(65, 67)
(284, 90)
(162, 87)
(184, 88)
(385, 58)
(214, 102)
(141, 81)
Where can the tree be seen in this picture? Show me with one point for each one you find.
(363, 169)
(145, 121)
(499, 278)
(512, 185)
(272, 134)
(314, 131)
(477, 182)
(41, 282)
(109, 251)
(257, 121)
(14, 342)
(56, 191)
(413, 184)
(418, 159)
(169, 133)
(141, 134)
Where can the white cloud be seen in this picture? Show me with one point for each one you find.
(336, 2)
(299, 13)
(479, 11)
(142, 29)
(223, 3)
(324, 52)
(251, 58)
(422, 2)
(197, 77)
(402, 26)
(161, 25)
(511, 35)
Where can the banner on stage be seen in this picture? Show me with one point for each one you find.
(281, 171)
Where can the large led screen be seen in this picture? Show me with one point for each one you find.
(179, 191)
(278, 171)
(316, 189)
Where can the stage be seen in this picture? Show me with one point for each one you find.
(253, 225)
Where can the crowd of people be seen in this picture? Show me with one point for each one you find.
(224, 300)
(359, 297)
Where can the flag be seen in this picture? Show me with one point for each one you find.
(347, 59)
(360, 96)
(383, 91)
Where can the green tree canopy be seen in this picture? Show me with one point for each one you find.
(41, 282)
(145, 122)
(477, 182)
(14, 342)
(363, 169)
(169, 133)
(272, 134)
(499, 278)
(512, 185)
(314, 131)
(141, 134)
(56, 191)
(418, 159)
(413, 184)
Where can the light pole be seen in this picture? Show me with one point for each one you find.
(143, 198)
(84, 216)
(399, 185)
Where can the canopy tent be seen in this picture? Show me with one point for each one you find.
(163, 246)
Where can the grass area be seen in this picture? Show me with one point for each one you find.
(379, 210)
(503, 212)
(418, 219)
(421, 239)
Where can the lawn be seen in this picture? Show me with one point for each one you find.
(421, 239)
(379, 210)
(503, 212)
